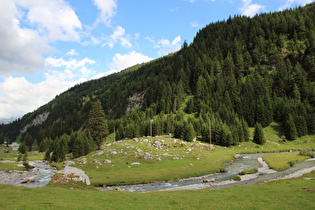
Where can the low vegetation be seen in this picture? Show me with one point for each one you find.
(284, 194)
(283, 161)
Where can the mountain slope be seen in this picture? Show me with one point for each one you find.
(243, 69)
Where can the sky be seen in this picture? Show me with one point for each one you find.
(48, 46)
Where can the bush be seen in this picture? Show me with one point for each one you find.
(251, 171)
(237, 178)
(292, 163)
(307, 152)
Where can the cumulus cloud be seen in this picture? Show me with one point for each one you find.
(119, 34)
(22, 46)
(250, 9)
(165, 46)
(72, 52)
(107, 10)
(72, 65)
(15, 91)
(289, 3)
(54, 19)
(120, 62)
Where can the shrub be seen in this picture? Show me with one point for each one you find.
(251, 171)
(237, 178)
(307, 152)
(292, 163)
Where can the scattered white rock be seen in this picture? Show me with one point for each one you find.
(107, 161)
(136, 139)
(158, 159)
(175, 158)
(145, 141)
(147, 156)
(100, 153)
(69, 163)
(114, 153)
(135, 163)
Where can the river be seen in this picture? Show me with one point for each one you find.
(223, 180)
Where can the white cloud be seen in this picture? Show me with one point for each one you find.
(17, 91)
(289, 3)
(250, 9)
(166, 46)
(119, 34)
(191, 1)
(194, 24)
(22, 46)
(107, 10)
(72, 52)
(71, 65)
(121, 62)
(54, 19)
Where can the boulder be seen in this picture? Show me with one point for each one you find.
(100, 153)
(69, 163)
(114, 153)
(147, 156)
(208, 180)
(158, 159)
(135, 163)
(107, 161)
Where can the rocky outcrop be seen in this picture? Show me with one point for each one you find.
(39, 119)
(76, 174)
(135, 101)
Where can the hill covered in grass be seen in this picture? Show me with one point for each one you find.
(236, 73)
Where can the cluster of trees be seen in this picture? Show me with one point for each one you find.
(238, 72)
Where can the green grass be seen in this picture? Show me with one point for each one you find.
(13, 155)
(295, 193)
(281, 161)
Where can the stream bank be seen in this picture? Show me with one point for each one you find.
(224, 180)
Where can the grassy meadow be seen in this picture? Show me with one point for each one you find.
(178, 160)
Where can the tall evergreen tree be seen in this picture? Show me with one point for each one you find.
(290, 129)
(259, 137)
(97, 124)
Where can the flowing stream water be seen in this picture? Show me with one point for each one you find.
(219, 180)
(39, 176)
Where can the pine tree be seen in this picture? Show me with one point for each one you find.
(97, 124)
(259, 134)
(22, 148)
(290, 129)
(189, 132)
(2, 138)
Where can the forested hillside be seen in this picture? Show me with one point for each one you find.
(236, 73)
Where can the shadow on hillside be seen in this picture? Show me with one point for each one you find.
(278, 129)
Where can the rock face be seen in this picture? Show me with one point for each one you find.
(39, 119)
(135, 101)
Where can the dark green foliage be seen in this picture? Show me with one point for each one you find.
(259, 137)
(237, 178)
(97, 124)
(2, 138)
(307, 152)
(189, 132)
(290, 129)
(22, 148)
(237, 72)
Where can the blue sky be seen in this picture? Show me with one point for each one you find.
(48, 46)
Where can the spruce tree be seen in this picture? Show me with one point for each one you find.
(290, 129)
(259, 134)
(97, 124)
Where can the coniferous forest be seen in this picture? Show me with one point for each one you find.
(238, 73)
